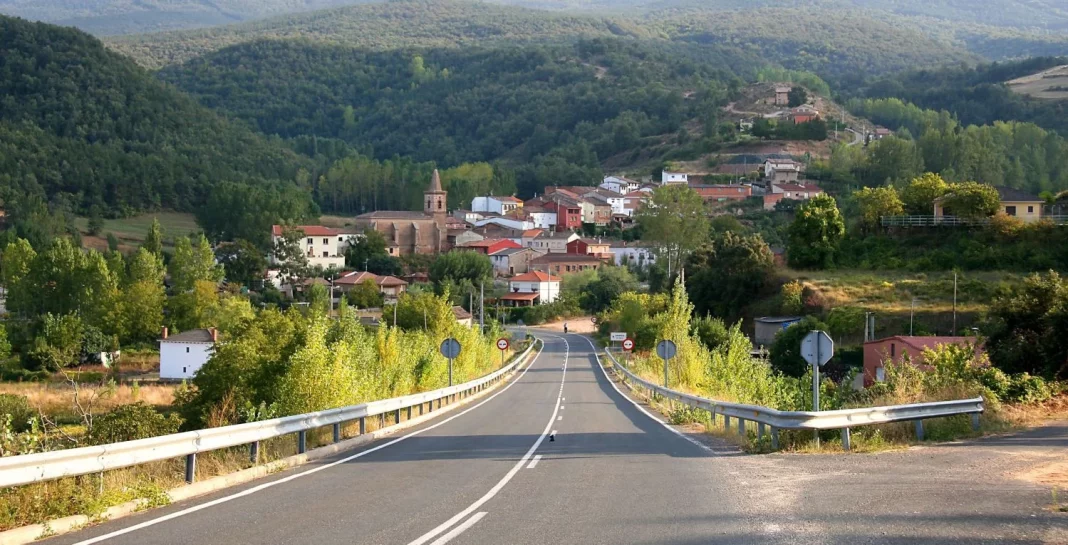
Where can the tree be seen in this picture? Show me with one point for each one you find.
(96, 223)
(195, 308)
(675, 220)
(798, 96)
(366, 295)
(815, 234)
(611, 282)
(384, 265)
(190, 264)
(292, 262)
(154, 239)
(891, 159)
(876, 202)
(243, 262)
(711, 331)
(785, 353)
(456, 267)
(1027, 325)
(919, 195)
(16, 262)
(727, 274)
(59, 342)
(971, 200)
(371, 244)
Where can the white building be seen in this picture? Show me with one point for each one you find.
(544, 285)
(495, 205)
(782, 170)
(510, 223)
(540, 217)
(619, 184)
(324, 246)
(553, 243)
(637, 256)
(182, 355)
(668, 178)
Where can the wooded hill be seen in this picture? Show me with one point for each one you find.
(86, 127)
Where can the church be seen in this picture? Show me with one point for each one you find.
(409, 232)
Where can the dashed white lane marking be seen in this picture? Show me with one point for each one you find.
(639, 407)
(265, 486)
(511, 473)
(533, 463)
(459, 529)
(559, 418)
(553, 433)
(561, 407)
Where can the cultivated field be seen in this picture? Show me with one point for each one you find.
(1050, 84)
(131, 231)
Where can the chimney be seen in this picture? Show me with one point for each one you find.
(164, 333)
(214, 334)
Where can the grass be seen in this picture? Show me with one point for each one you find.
(56, 399)
(131, 231)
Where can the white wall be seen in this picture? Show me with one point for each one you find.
(547, 291)
(674, 178)
(333, 246)
(506, 222)
(178, 360)
(543, 220)
(486, 204)
(636, 255)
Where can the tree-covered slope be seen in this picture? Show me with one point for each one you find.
(453, 105)
(85, 125)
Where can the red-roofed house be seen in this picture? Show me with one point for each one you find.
(800, 191)
(389, 286)
(590, 246)
(568, 210)
(633, 201)
(526, 289)
(721, 193)
(490, 245)
(324, 246)
(901, 347)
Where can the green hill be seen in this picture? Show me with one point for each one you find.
(84, 126)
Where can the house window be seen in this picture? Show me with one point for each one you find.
(184, 370)
(880, 374)
(187, 350)
(893, 350)
(310, 242)
(326, 241)
(439, 205)
(1010, 210)
(1030, 209)
(326, 254)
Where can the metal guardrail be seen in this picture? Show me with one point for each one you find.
(46, 466)
(842, 419)
(952, 221)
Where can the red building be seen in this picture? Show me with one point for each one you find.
(490, 245)
(722, 192)
(901, 347)
(589, 246)
(568, 211)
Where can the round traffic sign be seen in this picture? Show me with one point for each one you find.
(450, 348)
(502, 344)
(628, 344)
(666, 349)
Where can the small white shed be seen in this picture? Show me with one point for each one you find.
(183, 354)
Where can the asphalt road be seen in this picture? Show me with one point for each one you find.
(489, 474)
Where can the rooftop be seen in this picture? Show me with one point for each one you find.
(308, 230)
(1008, 194)
(920, 343)
(191, 336)
(460, 313)
(536, 276)
(394, 215)
(565, 258)
(530, 296)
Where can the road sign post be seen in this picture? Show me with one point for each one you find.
(450, 348)
(817, 348)
(502, 345)
(666, 350)
(628, 346)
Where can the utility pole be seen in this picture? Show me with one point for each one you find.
(912, 315)
(482, 308)
(954, 302)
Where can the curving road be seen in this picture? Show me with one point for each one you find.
(559, 455)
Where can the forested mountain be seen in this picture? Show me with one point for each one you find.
(568, 104)
(109, 17)
(975, 95)
(828, 42)
(84, 128)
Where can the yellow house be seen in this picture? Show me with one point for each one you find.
(1014, 203)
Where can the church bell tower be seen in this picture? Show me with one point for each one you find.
(434, 199)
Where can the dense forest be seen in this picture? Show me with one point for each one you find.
(557, 110)
(976, 95)
(86, 129)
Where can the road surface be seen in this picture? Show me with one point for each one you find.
(561, 456)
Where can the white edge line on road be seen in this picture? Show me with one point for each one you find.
(640, 408)
(317, 469)
(459, 529)
(511, 473)
(534, 463)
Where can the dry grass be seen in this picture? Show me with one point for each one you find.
(57, 399)
(1042, 84)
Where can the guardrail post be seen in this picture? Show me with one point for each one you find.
(741, 426)
(302, 441)
(254, 452)
(846, 439)
(421, 409)
(337, 432)
(726, 423)
(712, 417)
(363, 425)
(975, 421)
(919, 430)
(774, 438)
(760, 430)
(396, 418)
(190, 467)
(409, 412)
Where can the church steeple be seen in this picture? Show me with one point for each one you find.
(435, 198)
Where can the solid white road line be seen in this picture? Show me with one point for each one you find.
(317, 469)
(459, 529)
(640, 408)
(533, 463)
(508, 477)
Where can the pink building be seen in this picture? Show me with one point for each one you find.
(897, 348)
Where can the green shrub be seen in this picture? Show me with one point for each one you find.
(132, 422)
(18, 407)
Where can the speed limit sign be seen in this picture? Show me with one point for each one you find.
(502, 344)
(628, 345)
